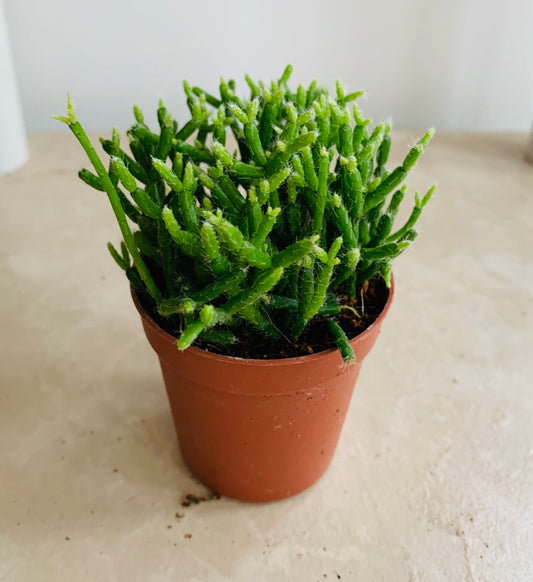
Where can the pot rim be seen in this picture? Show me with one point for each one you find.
(262, 362)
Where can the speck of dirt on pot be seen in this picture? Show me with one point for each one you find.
(188, 536)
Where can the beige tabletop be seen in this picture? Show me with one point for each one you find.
(433, 477)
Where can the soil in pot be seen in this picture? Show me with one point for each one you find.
(356, 315)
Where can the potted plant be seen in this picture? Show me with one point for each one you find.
(262, 275)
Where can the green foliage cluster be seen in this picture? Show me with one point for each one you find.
(260, 240)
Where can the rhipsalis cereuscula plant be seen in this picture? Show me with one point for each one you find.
(259, 241)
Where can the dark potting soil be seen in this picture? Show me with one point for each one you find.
(356, 315)
(368, 302)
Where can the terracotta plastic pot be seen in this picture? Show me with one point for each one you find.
(258, 430)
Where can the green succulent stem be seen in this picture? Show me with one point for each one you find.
(346, 350)
(114, 200)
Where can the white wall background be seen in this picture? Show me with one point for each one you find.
(454, 64)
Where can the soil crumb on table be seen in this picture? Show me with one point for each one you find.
(191, 499)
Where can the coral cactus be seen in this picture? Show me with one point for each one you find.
(260, 240)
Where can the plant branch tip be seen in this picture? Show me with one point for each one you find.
(70, 118)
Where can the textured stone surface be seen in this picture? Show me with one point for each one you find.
(433, 477)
